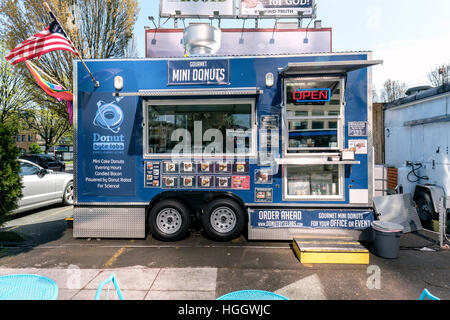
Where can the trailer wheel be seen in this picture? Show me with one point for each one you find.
(425, 209)
(169, 220)
(223, 219)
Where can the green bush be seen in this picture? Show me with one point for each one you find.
(35, 149)
(10, 183)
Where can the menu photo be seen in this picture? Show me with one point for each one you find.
(206, 167)
(188, 182)
(223, 182)
(223, 167)
(170, 167)
(169, 182)
(205, 181)
(187, 166)
(263, 176)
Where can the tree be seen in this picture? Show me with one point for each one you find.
(10, 184)
(393, 90)
(440, 75)
(35, 149)
(48, 124)
(99, 29)
(12, 96)
(12, 101)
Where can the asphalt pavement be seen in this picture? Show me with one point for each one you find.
(197, 268)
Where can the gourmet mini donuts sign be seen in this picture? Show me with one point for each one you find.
(208, 72)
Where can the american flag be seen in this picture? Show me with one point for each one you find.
(51, 39)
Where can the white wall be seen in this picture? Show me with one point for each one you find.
(420, 143)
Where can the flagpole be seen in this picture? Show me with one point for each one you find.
(96, 83)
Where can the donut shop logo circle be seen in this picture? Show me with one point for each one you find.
(109, 116)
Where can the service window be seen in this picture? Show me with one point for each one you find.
(313, 182)
(314, 115)
(200, 127)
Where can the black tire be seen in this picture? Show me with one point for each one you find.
(223, 219)
(169, 220)
(68, 194)
(425, 209)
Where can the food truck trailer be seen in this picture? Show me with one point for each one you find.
(271, 145)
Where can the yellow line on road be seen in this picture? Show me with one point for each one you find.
(116, 255)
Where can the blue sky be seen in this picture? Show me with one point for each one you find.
(411, 36)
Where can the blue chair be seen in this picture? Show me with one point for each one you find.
(111, 279)
(426, 295)
(252, 295)
(27, 287)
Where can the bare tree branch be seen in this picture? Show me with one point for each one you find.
(100, 29)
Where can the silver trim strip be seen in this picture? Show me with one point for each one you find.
(300, 161)
(318, 54)
(101, 204)
(191, 92)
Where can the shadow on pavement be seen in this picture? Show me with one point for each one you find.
(34, 235)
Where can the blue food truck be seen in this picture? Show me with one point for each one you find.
(270, 145)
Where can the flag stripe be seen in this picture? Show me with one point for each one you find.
(19, 49)
(48, 40)
(30, 56)
(41, 44)
(38, 36)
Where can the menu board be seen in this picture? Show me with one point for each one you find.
(206, 174)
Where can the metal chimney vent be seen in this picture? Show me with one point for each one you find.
(201, 39)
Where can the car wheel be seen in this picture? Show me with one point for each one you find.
(223, 219)
(169, 220)
(68, 194)
(425, 209)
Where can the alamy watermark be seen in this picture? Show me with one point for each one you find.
(374, 279)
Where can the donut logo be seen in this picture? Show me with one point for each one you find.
(108, 116)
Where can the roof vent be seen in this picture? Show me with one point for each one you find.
(201, 39)
(414, 90)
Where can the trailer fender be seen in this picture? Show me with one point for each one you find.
(435, 193)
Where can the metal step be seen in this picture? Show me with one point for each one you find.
(330, 251)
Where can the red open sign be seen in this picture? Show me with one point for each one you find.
(312, 95)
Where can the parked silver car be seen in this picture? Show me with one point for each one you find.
(43, 187)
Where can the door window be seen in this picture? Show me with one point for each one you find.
(314, 125)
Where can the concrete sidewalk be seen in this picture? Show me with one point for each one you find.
(136, 283)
